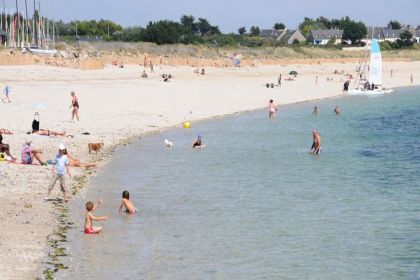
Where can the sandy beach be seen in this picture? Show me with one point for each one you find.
(117, 105)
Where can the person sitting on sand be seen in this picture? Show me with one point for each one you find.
(271, 109)
(203, 71)
(46, 132)
(28, 154)
(197, 143)
(77, 163)
(5, 131)
(126, 202)
(316, 144)
(337, 110)
(4, 148)
(144, 74)
(89, 218)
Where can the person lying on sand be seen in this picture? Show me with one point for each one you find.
(4, 148)
(77, 163)
(126, 202)
(5, 131)
(28, 154)
(89, 218)
(47, 132)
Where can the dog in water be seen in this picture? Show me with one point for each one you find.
(96, 147)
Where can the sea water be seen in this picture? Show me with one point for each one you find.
(255, 204)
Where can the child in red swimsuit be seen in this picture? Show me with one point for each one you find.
(89, 228)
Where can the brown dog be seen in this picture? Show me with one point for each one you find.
(95, 147)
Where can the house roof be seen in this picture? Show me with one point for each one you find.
(326, 33)
(270, 33)
(385, 32)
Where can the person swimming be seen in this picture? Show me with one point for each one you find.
(126, 202)
(197, 143)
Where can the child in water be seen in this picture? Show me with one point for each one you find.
(126, 202)
(89, 228)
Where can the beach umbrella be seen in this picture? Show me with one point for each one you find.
(39, 106)
(293, 72)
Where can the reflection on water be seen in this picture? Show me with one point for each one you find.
(255, 205)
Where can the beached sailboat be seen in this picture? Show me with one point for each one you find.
(372, 85)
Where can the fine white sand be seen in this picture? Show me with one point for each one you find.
(115, 105)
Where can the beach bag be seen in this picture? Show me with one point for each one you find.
(35, 122)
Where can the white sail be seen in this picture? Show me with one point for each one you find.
(375, 67)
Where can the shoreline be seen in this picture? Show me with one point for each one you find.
(146, 107)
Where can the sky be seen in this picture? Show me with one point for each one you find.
(229, 15)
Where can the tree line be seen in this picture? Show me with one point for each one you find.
(191, 30)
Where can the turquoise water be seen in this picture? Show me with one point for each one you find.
(254, 204)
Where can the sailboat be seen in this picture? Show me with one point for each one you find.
(373, 85)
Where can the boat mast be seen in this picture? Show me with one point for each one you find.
(17, 25)
(27, 23)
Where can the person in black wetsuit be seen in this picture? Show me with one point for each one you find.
(197, 143)
(75, 106)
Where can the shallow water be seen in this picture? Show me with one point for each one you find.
(254, 204)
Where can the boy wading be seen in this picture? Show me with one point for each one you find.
(61, 164)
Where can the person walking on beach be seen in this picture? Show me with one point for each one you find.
(279, 81)
(411, 78)
(151, 66)
(336, 110)
(271, 109)
(6, 92)
(316, 111)
(346, 86)
(316, 80)
(392, 72)
(60, 165)
(89, 218)
(75, 106)
(316, 143)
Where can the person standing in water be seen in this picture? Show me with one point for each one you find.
(411, 78)
(316, 143)
(336, 110)
(75, 106)
(316, 111)
(271, 109)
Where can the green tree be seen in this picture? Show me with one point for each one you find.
(354, 31)
(405, 39)
(203, 26)
(255, 31)
(164, 32)
(242, 30)
(393, 24)
(188, 21)
(279, 25)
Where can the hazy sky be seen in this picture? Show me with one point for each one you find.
(229, 15)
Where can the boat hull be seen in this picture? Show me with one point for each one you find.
(374, 92)
(43, 52)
